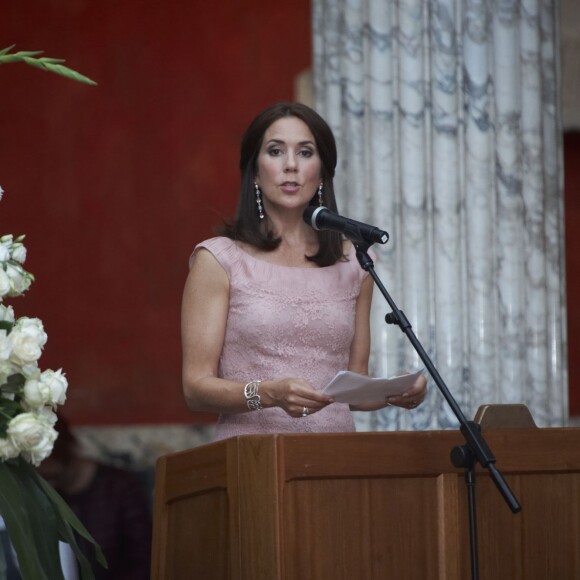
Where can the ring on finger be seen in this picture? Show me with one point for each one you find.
(305, 411)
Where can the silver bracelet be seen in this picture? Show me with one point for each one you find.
(252, 394)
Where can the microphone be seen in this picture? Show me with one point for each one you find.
(321, 218)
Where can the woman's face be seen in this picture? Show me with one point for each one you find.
(289, 166)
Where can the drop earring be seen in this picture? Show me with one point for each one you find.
(259, 201)
(320, 202)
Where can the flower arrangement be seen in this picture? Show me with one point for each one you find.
(35, 516)
(28, 397)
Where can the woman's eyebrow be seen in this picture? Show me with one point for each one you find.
(282, 142)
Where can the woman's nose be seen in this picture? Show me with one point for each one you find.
(290, 162)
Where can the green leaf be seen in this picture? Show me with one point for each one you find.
(68, 523)
(37, 518)
(69, 73)
(44, 523)
(46, 59)
(16, 508)
(18, 56)
(59, 69)
(34, 62)
(27, 53)
(5, 325)
(44, 63)
(3, 427)
(9, 409)
(3, 564)
(7, 49)
(15, 382)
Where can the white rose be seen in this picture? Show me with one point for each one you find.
(30, 371)
(49, 389)
(16, 277)
(7, 449)
(32, 435)
(5, 346)
(27, 338)
(1, 192)
(19, 279)
(34, 396)
(19, 253)
(4, 253)
(56, 384)
(6, 313)
(48, 415)
(6, 247)
(4, 283)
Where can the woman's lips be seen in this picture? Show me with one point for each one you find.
(290, 186)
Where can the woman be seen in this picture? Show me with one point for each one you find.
(273, 309)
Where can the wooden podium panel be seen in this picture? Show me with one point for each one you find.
(366, 506)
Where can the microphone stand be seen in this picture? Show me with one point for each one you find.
(475, 450)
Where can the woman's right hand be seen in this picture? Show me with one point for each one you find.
(295, 395)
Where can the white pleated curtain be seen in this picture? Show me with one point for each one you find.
(446, 115)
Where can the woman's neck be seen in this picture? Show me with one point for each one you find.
(297, 240)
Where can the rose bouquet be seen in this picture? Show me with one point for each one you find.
(35, 516)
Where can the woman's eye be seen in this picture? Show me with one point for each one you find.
(306, 153)
(274, 151)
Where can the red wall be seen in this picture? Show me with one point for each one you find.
(115, 184)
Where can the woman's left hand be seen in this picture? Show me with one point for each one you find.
(408, 400)
(411, 398)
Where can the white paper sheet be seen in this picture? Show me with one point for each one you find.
(355, 389)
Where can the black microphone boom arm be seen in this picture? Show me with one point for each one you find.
(321, 218)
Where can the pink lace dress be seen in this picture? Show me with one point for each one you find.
(286, 322)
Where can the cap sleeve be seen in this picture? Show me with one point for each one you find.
(222, 249)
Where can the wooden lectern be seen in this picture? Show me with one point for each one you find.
(366, 506)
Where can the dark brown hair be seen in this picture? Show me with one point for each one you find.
(246, 226)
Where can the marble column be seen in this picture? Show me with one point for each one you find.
(447, 120)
